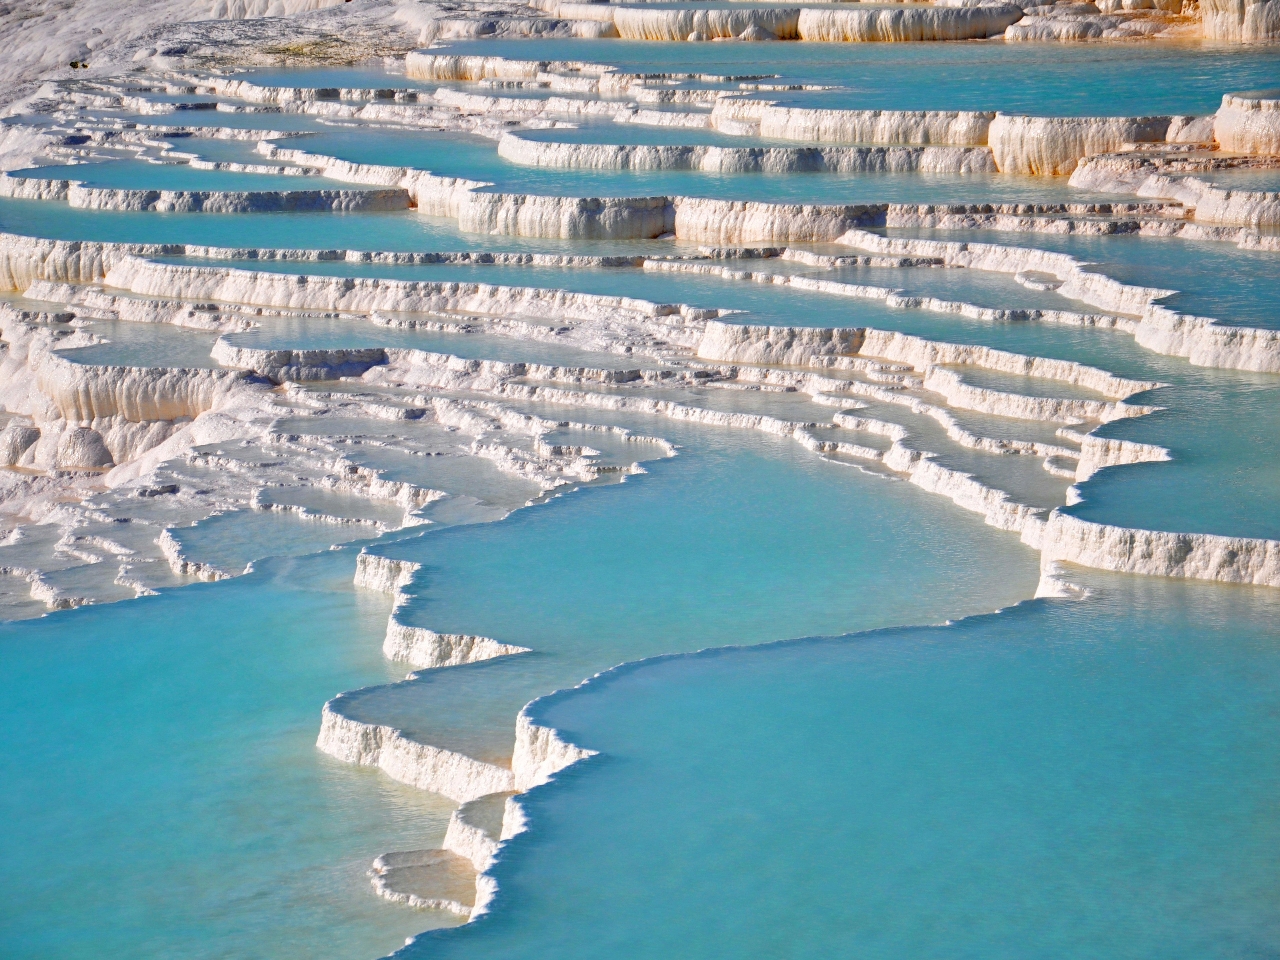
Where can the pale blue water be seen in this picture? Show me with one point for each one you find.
(476, 158)
(373, 78)
(1245, 179)
(195, 101)
(1054, 78)
(338, 334)
(1061, 780)
(1025, 385)
(1221, 426)
(262, 118)
(169, 796)
(234, 829)
(1222, 481)
(211, 148)
(1217, 280)
(690, 555)
(761, 303)
(642, 134)
(400, 230)
(984, 288)
(144, 345)
(1224, 432)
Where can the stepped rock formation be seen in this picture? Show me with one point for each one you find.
(1240, 21)
(1250, 123)
(277, 423)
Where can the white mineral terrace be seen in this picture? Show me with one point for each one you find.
(109, 466)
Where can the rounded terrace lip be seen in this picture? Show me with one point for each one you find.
(300, 415)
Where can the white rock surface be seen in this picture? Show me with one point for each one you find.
(450, 774)
(1240, 21)
(1052, 146)
(426, 650)
(845, 25)
(1250, 123)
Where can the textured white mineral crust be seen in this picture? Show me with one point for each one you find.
(888, 346)
(780, 346)
(42, 38)
(795, 346)
(425, 649)
(1155, 177)
(899, 127)
(423, 65)
(907, 23)
(453, 878)
(1190, 555)
(1200, 340)
(360, 295)
(298, 366)
(1241, 21)
(84, 392)
(643, 22)
(1250, 122)
(450, 774)
(774, 160)
(96, 417)
(426, 880)
(470, 840)
(1040, 146)
(540, 753)
(85, 197)
(384, 574)
(653, 23)
(724, 222)
(81, 429)
(247, 9)
(719, 342)
(26, 260)
(1052, 146)
(185, 567)
(1104, 20)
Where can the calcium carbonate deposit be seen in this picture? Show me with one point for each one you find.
(434, 435)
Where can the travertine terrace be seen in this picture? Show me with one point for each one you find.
(506, 326)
